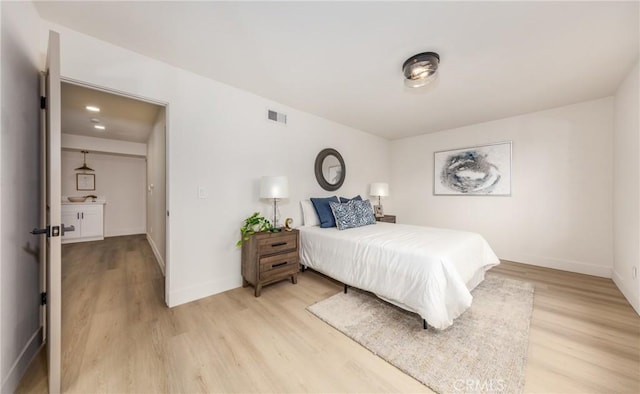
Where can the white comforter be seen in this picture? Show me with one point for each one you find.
(425, 270)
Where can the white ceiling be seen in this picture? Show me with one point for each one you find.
(124, 118)
(342, 60)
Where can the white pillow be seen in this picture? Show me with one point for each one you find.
(309, 215)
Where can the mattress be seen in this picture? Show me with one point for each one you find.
(426, 270)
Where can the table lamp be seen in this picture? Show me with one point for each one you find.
(274, 187)
(379, 190)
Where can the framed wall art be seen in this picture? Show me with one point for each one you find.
(85, 182)
(479, 171)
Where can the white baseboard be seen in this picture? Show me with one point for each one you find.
(156, 252)
(563, 265)
(193, 293)
(19, 367)
(83, 239)
(634, 301)
(124, 231)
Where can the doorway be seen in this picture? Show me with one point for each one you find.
(117, 144)
(125, 138)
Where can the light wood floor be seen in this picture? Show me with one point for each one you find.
(118, 336)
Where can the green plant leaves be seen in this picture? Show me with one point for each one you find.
(253, 224)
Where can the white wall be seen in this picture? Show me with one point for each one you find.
(156, 189)
(626, 189)
(120, 180)
(19, 205)
(559, 214)
(219, 139)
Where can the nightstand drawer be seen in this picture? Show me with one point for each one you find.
(277, 244)
(278, 260)
(280, 265)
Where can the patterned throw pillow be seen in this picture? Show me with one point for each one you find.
(352, 214)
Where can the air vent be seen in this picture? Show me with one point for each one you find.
(277, 117)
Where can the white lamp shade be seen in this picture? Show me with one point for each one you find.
(379, 189)
(274, 187)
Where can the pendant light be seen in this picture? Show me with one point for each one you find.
(420, 69)
(84, 163)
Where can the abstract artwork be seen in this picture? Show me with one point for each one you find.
(481, 170)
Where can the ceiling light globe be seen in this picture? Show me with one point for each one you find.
(420, 69)
(417, 83)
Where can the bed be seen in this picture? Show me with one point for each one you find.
(425, 270)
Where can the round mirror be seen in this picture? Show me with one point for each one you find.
(330, 169)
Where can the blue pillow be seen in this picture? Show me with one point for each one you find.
(324, 211)
(355, 213)
(356, 198)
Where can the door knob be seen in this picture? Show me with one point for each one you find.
(48, 231)
(38, 231)
(69, 228)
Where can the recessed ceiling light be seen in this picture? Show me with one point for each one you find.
(92, 108)
(99, 126)
(94, 120)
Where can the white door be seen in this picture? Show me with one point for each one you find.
(50, 206)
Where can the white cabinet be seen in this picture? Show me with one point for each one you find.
(88, 220)
(70, 217)
(92, 222)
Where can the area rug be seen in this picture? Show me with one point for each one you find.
(484, 351)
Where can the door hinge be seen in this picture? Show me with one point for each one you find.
(43, 298)
(43, 102)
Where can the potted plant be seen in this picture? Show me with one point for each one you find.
(253, 224)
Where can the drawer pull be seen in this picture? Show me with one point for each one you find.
(278, 244)
(280, 264)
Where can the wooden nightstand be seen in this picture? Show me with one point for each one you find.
(270, 257)
(387, 219)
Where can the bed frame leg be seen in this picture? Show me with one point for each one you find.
(424, 324)
(303, 267)
(345, 289)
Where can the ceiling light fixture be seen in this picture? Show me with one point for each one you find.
(92, 108)
(99, 126)
(420, 69)
(94, 120)
(84, 162)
